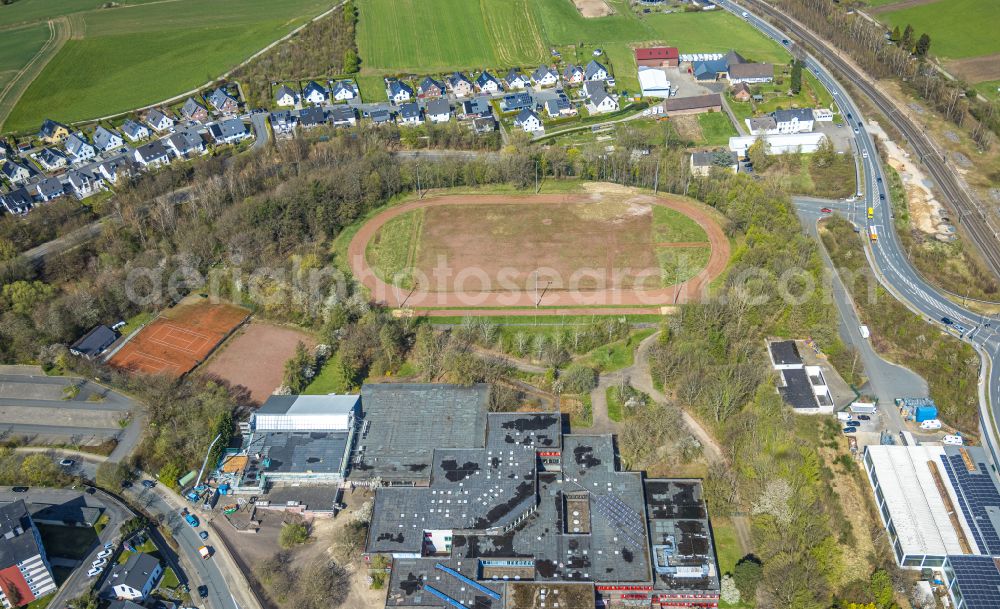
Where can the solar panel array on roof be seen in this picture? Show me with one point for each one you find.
(978, 579)
(979, 499)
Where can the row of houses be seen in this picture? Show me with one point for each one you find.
(477, 110)
(29, 186)
(316, 94)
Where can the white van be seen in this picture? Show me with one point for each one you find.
(952, 440)
(931, 424)
(864, 331)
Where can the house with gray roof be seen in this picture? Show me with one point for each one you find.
(344, 90)
(380, 115)
(411, 114)
(545, 76)
(761, 125)
(796, 120)
(429, 87)
(283, 121)
(343, 116)
(51, 159)
(398, 91)
(529, 121)
(81, 182)
(135, 131)
(114, 168)
(52, 131)
(49, 189)
(79, 148)
(229, 131)
(599, 100)
(596, 71)
(16, 173)
(460, 85)
(438, 110)
(573, 74)
(311, 117)
(286, 96)
(159, 120)
(23, 561)
(185, 144)
(702, 163)
(515, 79)
(107, 139)
(222, 101)
(559, 107)
(17, 201)
(488, 84)
(314, 93)
(152, 155)
(193, 111)
(477, 107)
(513, 102)
(751, 73)
(134, 579)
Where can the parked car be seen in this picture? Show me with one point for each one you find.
(99, 563)
(148, 483)
(864, 417)
(105, 553)
(826, 210)
(67, 462)
(853, 423)
(850, 429)
(94, 572)
(19, 489)
(946, 321)
(203, 591)
(203, 534)
(109, 545)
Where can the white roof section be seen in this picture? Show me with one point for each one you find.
(918, 512)
(306, 413)
(653, 82)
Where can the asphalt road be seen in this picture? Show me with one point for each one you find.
(886, 255)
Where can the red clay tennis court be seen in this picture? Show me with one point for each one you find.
(179, 339)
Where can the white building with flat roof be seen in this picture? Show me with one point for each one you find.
(306, 413)
(782, 143)
(653, 82)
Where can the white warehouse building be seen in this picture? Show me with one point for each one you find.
(306, 413)
(782, 143)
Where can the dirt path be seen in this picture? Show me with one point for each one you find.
(60, 31)
(394, 296)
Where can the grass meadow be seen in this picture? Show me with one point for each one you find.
(958, 28)
(126, 57)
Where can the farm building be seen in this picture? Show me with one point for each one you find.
(657, 57)
(780, 143)
(694, 104)
(654, 83)
(751, 73)
(935, 502)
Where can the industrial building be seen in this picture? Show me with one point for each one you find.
(782, 143)
(531, 505)
(25, 572)
(802, 387)
(935, 502)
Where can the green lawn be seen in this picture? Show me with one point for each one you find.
(716, 32)
(329, 380)
(393, 248)
(40, 603)
(18, 47)
(670, 226)
(425, 36)
(989, 89)
(682, 263)
(67, 542)
(617, 355)
(615, 405)
(132, 323)
(716, 128)
(134, 56)
(958, 28)
(169, 579)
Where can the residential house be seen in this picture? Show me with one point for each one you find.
(484, 124)
(283, 121)
(312, 117)
(529, 121)
(6, 151)
(185, 144)
(429, 87)
(112, 169)
(17, 201)
(343, 116)
(24, 567)
(488, 84)
(439, 111)
(477, 107)
(657, 57)
(741, 92)
(229, 131)
(135, 578)
(798, 120)
(344, 90)
(314, 93)
(94, 343)
(703, 162)
(514, 102)
(460, 85)
(286, 96)
(82, 183)
(152, 155)
(223, 102)
(761, 125)
(193, 111)
(49, 189)
(600, 101)
(79, 148)
(559, 107)
(410, 114)
(545, 76)
(751, 73)
(107, 139)
(397, 91)
(159, 120)
(592, 87)
(135, 131)
(51, 159)
(15, 172)
(573, 74)
(822, 115)
(515, 79)
(380, 115)
(595, 71)
(52, 132)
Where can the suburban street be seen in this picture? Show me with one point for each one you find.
(886, 256)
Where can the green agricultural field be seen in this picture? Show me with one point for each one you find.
(715, 32)
(26, 11)
(425, 36)
(990, 89)
(958, 28)
(122, 58)
(716, 129)
(18, 47)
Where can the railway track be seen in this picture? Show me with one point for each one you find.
(971, 214)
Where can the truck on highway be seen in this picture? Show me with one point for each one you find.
(205, 552)
(191, 519)
(873, 233)
(871, 213)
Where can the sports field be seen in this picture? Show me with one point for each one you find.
(609, 247)
(133, 55)
(422, 36)
(179, 339)
(958, 28)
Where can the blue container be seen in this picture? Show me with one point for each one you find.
(926, 413)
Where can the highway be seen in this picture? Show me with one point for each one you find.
(886, 256)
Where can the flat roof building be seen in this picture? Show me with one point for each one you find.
(802, 387)
(25, 572)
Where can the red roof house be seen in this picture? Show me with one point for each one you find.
(657, 57)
